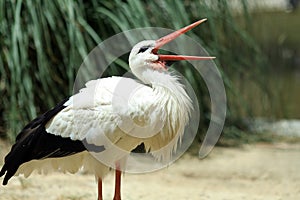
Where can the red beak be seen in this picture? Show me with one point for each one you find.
(168, 38)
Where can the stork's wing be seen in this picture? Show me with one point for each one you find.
(100, 109)
(74, 125)
(34, 142)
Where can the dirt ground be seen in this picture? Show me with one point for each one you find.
(256, 172)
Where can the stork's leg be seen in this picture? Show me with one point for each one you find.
(118, 182)
(100, 189)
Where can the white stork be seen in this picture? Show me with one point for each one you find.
(67, 137)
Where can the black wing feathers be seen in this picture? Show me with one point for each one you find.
(33, 142)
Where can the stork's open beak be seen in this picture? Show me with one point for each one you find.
(168, 38)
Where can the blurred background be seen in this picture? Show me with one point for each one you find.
(257, 45)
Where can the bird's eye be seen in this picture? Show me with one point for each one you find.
(143, 49)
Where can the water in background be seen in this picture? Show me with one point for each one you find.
(278, 35)
(282, 100)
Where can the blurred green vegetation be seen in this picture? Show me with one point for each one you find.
(277, 34)
(42, 43)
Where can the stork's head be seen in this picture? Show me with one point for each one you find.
(143, 55)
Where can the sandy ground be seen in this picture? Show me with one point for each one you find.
(261, 171)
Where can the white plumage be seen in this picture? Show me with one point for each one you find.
(111, 116)
(98, 114)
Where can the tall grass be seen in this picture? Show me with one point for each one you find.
(44, 42)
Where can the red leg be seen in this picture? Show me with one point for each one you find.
(100, 189)
(118, 183)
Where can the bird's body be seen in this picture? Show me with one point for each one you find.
(97, 115)
(98, 127)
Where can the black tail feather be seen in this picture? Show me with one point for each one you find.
(39, 145)
(35, 143)
(9, 173)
